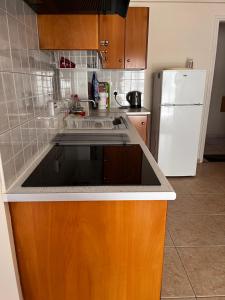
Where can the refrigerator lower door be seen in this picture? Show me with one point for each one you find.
(179, 139)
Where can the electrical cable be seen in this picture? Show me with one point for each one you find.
(115, 95)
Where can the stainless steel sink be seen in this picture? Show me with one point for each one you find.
(76, 138)
(104, 123)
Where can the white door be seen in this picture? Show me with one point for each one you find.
(179, 139)
(183, 87)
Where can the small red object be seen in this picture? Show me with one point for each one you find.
(66, 63)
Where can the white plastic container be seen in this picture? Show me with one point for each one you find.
(51, 109)
(102, 104)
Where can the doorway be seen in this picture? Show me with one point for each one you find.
(215, 136)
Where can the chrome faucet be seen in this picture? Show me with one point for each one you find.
(89, 100)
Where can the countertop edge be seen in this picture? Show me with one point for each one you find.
(119, 196)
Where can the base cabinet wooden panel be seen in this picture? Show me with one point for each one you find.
(142, 124)
(90, 250)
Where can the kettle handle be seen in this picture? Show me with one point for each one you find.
(128, 97)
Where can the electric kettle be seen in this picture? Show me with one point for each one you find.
(134, 98)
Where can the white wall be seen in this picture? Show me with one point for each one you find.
(216, 123)
(177, 30)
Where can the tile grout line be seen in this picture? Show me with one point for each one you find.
(182, 265)
(186, 272)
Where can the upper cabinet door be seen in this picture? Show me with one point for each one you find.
(136, 39)
(69, 32)
(112, 41)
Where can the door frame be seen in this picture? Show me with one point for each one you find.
(218, 19)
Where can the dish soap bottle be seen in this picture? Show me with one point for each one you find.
(95, 89)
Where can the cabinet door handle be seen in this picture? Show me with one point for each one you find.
(128, 60)
(104, 43)
(120, 60)
(142, 123)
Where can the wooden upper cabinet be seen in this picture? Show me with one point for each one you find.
(136, 38)
(112, 41)
(68, 32)
(121, 42)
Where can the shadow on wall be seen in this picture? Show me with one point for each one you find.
(215, 139)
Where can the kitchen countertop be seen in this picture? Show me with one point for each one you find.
(17, 193)
(128, 111)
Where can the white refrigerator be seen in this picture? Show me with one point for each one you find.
(178, 98)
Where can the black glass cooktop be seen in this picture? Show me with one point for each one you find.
(93, 165)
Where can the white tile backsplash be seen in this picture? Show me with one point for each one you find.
(122, 82)
(4, 120)
(9, 86)
(73, 82)
(25, 87)
(9, 172)
(6, 147)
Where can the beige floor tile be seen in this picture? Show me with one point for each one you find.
(211, 169)
(179, 205)
(206, 269)
(211, 298)
(210, 179)
(197, 230)
(186, 298)
(179, 184)
(175, 281)
(198, 204)
(206, 185)
(168, 240)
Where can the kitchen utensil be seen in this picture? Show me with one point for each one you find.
(134, 98)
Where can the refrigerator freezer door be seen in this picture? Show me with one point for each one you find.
(182, 87)
(179, 139)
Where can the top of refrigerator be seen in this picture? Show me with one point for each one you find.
(182, 87)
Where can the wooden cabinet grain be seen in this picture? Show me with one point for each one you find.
(121, 42)
(111, 41)
(107, 250)
(136, 38)
(141, 123)
(68, 32)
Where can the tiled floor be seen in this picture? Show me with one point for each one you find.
(194, 262)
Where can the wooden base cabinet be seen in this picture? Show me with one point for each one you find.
(142, 124)
(90, 250)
